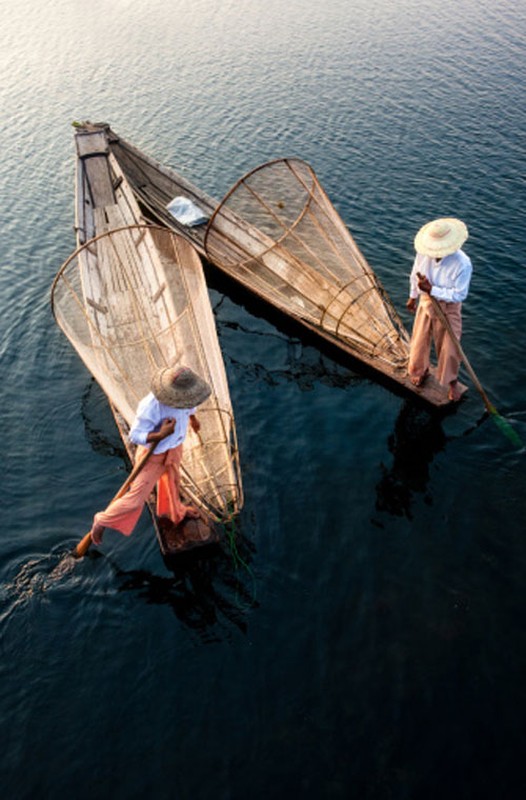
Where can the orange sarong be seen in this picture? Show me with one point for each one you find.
(162, 469)
(428, 327)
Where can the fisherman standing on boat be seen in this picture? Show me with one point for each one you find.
(162, 416)
(443, 271)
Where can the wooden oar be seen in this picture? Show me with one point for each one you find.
(83, 546)
(501, 423)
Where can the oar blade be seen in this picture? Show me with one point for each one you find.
(504, 426)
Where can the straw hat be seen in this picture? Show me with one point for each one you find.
(441, 237)
(179, 387)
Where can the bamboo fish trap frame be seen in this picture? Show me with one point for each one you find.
(278, 225)
(132, 300)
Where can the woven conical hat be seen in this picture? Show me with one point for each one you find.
(179, 387)
(441, 237)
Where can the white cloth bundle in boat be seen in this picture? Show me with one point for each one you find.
(186, 211)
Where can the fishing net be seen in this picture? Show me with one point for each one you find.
(277, 230)
(131, 301)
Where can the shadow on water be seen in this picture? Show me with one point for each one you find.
(305, 365)
(416, 439)
(302, 369)
(210, 589)
(99, 425)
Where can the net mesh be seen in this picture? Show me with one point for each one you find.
(278, 230)
(134, 300)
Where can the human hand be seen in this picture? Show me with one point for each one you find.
(423, 283)
(411, 304)
(167, 428)
(194, 422)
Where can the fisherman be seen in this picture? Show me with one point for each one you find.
(443, 271)
(162, 416)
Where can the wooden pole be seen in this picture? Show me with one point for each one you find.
(447, 325)
(84, 544)
(505, 427)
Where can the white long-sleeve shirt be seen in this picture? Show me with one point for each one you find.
(449, 277)
(150, 414)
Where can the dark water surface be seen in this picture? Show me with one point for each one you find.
(372, 642)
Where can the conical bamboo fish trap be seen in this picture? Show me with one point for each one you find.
(278, 227)
(133, 300)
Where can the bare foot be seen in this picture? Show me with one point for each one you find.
(419, 380)
(192, 513)
(454, 394)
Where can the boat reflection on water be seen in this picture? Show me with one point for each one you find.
(417, 437)
(211, 591)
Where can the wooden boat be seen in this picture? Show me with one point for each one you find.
(132, 298)
(277, 233)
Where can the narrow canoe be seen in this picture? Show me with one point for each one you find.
(277, 233)
(133, 298)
